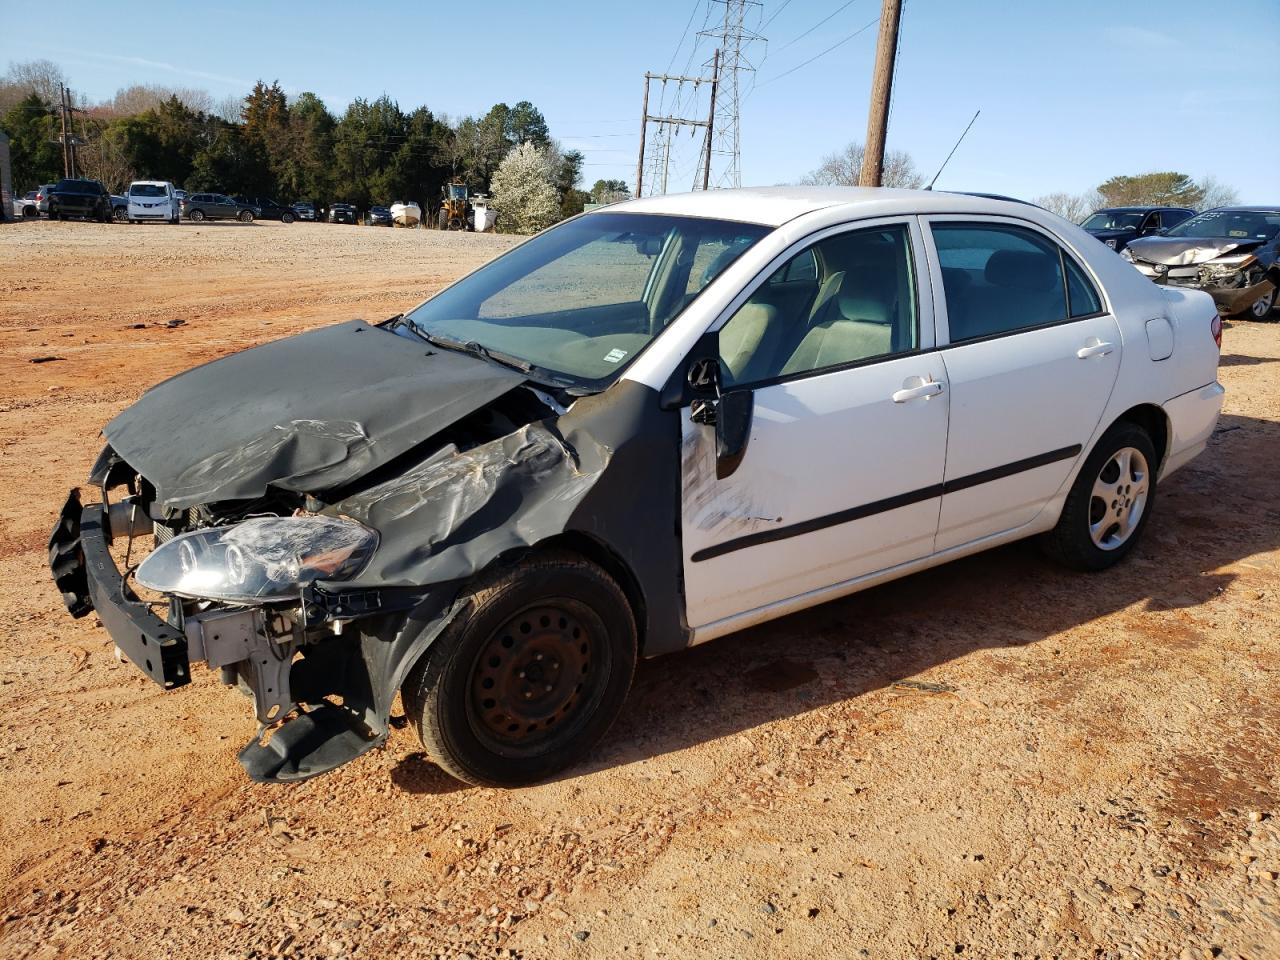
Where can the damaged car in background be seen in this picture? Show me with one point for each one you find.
(642, 429)
(1232, 253)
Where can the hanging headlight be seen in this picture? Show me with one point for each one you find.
(258, 560)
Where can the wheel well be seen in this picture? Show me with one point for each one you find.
(598, 553)
(1153, 420)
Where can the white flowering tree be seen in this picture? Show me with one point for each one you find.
(524, 192)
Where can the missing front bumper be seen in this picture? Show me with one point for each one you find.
(89, 580)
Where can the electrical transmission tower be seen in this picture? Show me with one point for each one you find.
(732, 38)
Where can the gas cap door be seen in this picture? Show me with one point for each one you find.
(1160, 338)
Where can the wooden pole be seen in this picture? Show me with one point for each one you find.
(66, 145)
(711, 120)
(881, 92)
(644, 123)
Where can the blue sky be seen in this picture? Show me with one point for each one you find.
(1070, 93)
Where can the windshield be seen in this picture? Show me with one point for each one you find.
(1113, 220)
(1230, 225)
(76, 186)
(457, 191)
(581, 300)
(146, 190)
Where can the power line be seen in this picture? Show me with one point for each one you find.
(676, 52)
(819, 56)
(784, 6)
(842, 7)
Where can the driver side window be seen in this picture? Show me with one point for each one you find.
(846, 299)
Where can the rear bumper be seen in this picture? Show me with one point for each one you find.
(1192, 419)
(86, 574)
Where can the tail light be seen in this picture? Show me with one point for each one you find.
(1215, 328)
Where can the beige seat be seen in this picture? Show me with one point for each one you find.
(845, 327)
(749, 341)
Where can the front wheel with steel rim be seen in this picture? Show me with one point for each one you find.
(1109, 503)
(529, 673)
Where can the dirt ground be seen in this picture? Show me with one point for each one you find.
(991, 759)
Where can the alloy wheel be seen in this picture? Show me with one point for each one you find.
(1119, 498)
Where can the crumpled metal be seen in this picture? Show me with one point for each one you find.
(1177, 252)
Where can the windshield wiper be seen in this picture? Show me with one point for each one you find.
(474, 348)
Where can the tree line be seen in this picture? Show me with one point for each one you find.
(267, 144)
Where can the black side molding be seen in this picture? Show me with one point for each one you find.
(889, 503)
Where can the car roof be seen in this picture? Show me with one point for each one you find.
(1135, 209)
(158, 183)
(1257, 209)
(774, 206)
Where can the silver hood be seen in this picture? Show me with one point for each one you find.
(1188, 251)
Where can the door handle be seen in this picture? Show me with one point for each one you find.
(921, 388)
(1094, 348)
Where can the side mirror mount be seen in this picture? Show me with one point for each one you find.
(733, 430)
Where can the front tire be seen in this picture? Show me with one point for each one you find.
(195, 216)
(120, 215)
(528, 675)
(1109, 504)
(286, 218)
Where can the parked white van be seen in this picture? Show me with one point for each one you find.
(152, 200)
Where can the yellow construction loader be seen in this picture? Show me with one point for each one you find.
(455, 208)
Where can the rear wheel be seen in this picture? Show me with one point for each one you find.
(120, 215)
(195, 216)
(1109, 503)
(528, 675)
(443, 220)
(246, 216)
(286, 218)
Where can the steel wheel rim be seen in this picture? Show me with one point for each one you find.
(537, 677)
(1118, 501)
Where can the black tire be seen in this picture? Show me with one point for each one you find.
(1072, 541)
(246, 216)
(195, 216)
(443, 220)
(560, 616)
(120, 215)
(286, 218)
(1261, 310)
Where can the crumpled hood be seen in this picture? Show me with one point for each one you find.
(1187, 251)
(305, 414)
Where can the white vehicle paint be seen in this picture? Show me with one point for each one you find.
(987, 455)
(152, 200)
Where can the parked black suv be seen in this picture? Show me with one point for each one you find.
(268, 209)
(342, 213)
(216, 206)
(1116, 226)
(80, 198)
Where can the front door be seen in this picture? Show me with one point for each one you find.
(842, 473)
(1031, 356)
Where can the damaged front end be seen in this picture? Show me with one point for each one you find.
(312, 565)
(1237, 274)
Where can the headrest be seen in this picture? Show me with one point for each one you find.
(1022, 270)
(856, 306)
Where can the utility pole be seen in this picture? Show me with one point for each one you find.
(64, 140)
(881, 93)
(668, 124)
(644, 123)
(711, 120)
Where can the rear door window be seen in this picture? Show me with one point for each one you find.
(998, 279)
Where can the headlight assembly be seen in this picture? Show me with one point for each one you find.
(258, 560)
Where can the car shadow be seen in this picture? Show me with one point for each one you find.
(1215, 511)
(1243, 360)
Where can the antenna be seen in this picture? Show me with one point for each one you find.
(953, 150)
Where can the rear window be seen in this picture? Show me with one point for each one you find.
(77, 186)
(147, 190)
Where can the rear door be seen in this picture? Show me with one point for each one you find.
(841, 476)
(1031, 353)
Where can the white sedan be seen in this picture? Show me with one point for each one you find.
(645, 428)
